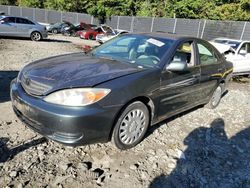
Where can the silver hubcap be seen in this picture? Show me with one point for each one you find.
(36, 36)
(132, 126)
(216, 96)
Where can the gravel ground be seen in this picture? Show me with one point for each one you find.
(200, 148)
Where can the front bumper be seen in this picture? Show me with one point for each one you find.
(68, 125)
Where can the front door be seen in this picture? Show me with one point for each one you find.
(8, 27)
(178, 90)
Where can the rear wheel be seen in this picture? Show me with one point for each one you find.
(36, 36)
(54, 31)
(216, 97)
(131, 126)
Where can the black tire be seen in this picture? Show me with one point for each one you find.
(35, 36)
(135, 119)
(73, 34)
(91, 37)
(216, 98)
(54, 31)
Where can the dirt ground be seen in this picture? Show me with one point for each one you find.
(200, 148)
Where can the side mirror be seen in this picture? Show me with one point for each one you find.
(177, 66)
(243, 52)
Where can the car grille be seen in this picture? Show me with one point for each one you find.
(33, 87)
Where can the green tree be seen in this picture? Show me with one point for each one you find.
(104, 9)
(231, 11)
(67, 5)
(7, 2)
(31, 3)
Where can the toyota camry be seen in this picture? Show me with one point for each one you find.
(117, 90)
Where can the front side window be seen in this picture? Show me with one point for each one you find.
(140, 50)
(206, 55)
(185, 54)
(9, 20)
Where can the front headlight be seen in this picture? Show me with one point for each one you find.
(77, 97)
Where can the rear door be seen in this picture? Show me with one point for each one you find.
(24, 26)
(8, 27)
(180, 90)
(212, 68)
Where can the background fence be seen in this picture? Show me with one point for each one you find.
(206, 29)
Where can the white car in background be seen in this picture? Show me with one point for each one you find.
(102, 38)
(235, 51)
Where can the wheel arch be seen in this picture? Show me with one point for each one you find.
(34, 30)
(147, 101)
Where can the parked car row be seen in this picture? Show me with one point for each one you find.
(117, 90)
(87, 31)
(23, 27)
(235, 51)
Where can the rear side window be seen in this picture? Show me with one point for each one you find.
(207, 55)
(23, 21)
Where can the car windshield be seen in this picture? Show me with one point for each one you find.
(57, 24)
(233, 44)
(107, 29)
(143, 51)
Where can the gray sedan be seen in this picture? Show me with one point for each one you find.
(21, 27)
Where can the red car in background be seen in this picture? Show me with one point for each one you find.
(91, 32)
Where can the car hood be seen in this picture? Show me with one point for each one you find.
(73, 70)
(222, 48)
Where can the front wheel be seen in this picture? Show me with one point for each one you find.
(131, 126)
(36, 36)
(216, 97)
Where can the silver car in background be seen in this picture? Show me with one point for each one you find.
(21, 27)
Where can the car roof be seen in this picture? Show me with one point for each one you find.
(6, 16)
